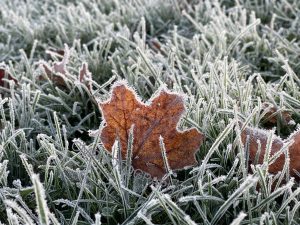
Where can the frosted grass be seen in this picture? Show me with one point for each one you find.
(227, 57)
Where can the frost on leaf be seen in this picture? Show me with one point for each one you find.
(251, 137)
(158, 118)
(272, 114)
(58, 72)
(58, 67)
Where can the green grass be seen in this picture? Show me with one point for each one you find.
(228, 57)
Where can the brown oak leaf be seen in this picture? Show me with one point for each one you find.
(152, 120)
(260, 135)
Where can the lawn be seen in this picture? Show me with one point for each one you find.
(236, 66)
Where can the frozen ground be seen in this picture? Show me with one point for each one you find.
(228, 57)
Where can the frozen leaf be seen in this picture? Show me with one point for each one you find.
(258, 135)
(157, 118)
(58, 71)
(272, 113)
(58, 67)
(155, 45)
(5, 74)
(57, 80)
